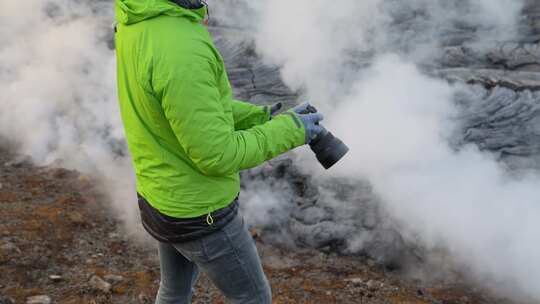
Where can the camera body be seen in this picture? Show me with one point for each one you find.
(328, 149)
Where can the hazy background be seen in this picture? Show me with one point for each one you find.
(356, 61)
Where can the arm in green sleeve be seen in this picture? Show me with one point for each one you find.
(191, 102)
(247, 115)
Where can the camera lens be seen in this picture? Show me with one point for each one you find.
(328, 149)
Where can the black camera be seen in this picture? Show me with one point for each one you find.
(327, 148)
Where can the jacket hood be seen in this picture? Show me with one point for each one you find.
(133, 11)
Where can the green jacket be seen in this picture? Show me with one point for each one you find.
(187, 136)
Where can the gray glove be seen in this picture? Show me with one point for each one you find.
(311, 124)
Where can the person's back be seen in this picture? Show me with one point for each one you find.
(188, 140)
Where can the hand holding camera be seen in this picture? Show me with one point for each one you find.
(327, 148)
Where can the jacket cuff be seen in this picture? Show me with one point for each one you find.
(267, 113)
(299, 129)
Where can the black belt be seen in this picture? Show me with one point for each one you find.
(169, 229)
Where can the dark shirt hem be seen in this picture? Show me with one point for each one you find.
(168, 229)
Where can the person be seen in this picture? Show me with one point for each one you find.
(188, 139)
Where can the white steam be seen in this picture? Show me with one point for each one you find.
(462, 200)
(397, 121)
(58, 98)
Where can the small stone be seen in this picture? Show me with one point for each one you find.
(98, 283)
(372, 285)
(1, 185)
(112, 278)
(355, 281)
(43, 299)
(329, 293)
(55, 278)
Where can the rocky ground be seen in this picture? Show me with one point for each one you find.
(59, 243)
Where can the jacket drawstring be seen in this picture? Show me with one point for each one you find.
(209, 218)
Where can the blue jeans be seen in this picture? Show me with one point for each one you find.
(228, 256)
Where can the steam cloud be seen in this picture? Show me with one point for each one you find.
(58, 102)
(369, 78)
